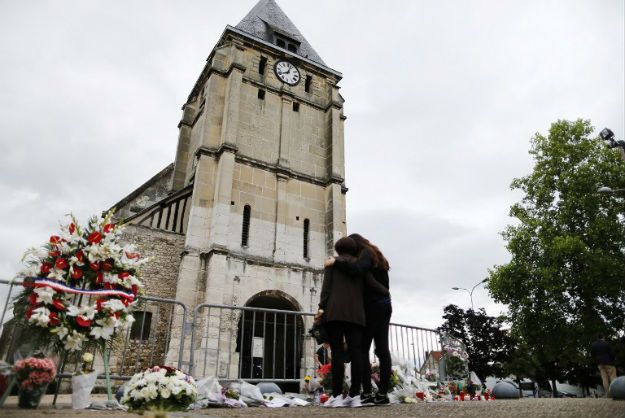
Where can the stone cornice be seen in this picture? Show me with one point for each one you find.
(279, 170)
(256, 260)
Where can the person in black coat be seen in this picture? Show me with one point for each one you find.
(378, 310)
(341, 307)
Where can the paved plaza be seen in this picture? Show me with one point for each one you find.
(526, 408)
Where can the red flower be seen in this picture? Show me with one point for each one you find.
(54, 253)
(32, 298)
(58, 304)
(72, 228)
(108, 286)
(106, 266)
(123, 275)
(117, 314)
(108, 228)
(98, 304)
(82, 321)
(29, 312)
(325, 369)
(80, 256)
(135, 289)
(61, 264)
(54, 319)
(76, 273)
(45, 268)
(99, 277)
(94, 237)
(94, 266)
(55, 239)
(125, 302)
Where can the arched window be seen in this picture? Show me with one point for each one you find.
(245, 232)
(306, 233)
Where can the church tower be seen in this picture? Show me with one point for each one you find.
(256, 195)
(261, 145)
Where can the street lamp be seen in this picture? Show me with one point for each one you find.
(607, 135)
(470, 292)
(609, 190)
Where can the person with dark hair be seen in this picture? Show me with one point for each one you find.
(341, 307)
(378, 311)
(604, 357)
(323, 355)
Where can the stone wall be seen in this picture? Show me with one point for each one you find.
(159, 277)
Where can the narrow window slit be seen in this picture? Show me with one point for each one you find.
(245, 233)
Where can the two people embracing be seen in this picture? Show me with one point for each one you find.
(355, 308)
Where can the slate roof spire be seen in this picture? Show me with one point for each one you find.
(267, 19)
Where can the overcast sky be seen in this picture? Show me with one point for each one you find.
(442, 98)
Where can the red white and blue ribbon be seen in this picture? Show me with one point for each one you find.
(61, 287)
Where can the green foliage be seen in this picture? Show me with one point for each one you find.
(486, 342)
(564, 282)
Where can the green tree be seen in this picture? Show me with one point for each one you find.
(486, 342)
(565, 280)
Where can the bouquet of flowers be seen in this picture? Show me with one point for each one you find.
(83, 383)
(81, 286)
(431, 375)
(324, 375)
(33, 376)
(394, 380)
(6, 381)
(32, 373)
(456, 363)
(160, 388)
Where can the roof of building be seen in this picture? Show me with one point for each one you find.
(438, 355)
(267, 18)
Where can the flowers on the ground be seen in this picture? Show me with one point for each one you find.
(81, 286)
(456, 362)
(431, 375)
(32, 373)
(87, 363)
(160, 388)
(324, 375)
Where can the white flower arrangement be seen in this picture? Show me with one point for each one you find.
(160, 388)
(86, 261)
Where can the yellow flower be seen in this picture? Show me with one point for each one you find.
(87, 358)
(307, 378)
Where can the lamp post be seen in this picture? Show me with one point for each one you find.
(470, 292)
(607, 135)
(609, 190)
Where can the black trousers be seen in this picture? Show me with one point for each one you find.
(378, 321)
(337, 330)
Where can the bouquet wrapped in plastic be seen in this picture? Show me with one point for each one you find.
(160, 388)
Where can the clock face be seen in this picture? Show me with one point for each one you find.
(287, 72)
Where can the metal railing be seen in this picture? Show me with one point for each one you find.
(255, 344)
(229, 342)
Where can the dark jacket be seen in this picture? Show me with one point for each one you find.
(361, 266)
(342, 295)
(602, 353)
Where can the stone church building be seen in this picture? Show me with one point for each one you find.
(255, 197)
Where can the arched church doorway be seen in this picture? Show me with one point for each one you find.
(270, 343)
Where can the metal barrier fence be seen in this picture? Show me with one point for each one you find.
(229, 342)
(254, 344)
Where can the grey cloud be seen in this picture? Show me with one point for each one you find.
(441, 98)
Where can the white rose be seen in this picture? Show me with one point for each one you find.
(87, 358)
(165, 393)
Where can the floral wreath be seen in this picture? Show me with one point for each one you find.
(81, 286)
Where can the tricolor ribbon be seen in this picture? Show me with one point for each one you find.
(61, 287)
